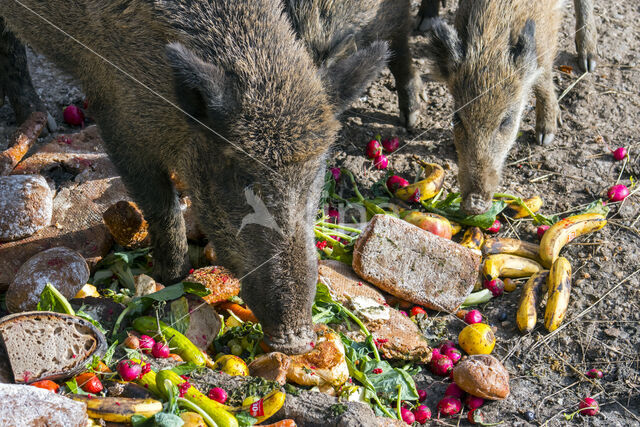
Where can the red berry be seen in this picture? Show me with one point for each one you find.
(422, 414)
(588, 406)
(381, 162)
(391, 145)
(417, 310)
(454, 391)
(377, 371)
(473, 316)
(394, 182)
(541, 230)
(495, 227)
(374, 149)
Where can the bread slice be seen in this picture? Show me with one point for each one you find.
(23, 405)
(47, 345)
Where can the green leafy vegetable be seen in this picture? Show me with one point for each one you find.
(124, 266)
(245, 419)
(52, 300)
(179, 315)
(185, 368)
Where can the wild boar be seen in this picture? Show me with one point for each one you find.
(586, 31)
(333, 29)
(498, 51)
(223, 93)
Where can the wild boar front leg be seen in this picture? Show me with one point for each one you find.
(547, 109)
(429, 9)
(586, 35)
(408, 83)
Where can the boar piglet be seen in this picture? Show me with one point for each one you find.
(498, 51)
(224, 94)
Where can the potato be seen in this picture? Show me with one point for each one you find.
(477, 339)
(483, 376)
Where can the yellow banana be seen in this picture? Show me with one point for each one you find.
(562, 232)
(455, 228)
(119, 409)
(512, 266)
(426, 188)
(559, 290)
(505, 245)
(473, 239)
(264, 408)
(530, 298)
(516, 211)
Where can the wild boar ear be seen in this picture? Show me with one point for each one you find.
(444, 49)
(205, 91)
(347, 78)
(523, 51)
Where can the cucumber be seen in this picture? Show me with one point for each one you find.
(185, 348)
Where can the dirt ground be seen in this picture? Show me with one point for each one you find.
(602, 111)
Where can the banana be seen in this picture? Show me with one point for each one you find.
(559, 290)
(264, 408)
(456, 227)
(505, 245)
(532, 293)
(516, 211)
(426, 188)
(562, 232)
(118, 409)
(473, 239)
(512, 266)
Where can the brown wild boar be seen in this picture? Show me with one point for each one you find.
(223, 93)
(498, 51)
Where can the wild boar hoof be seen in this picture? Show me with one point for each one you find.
(411, 120)
(292, 342)
(545, 138)
(587, 63)
(475, 204)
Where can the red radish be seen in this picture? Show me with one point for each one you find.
(160, 350)
(334, 215)
(441, 366)
(218, 394)
(588, 406)
(495, 227)
(435, 353)
(449, 406)
(381, 162)
(73, 115)
(422, 414)
(445, 345)
(374, 149)
(391, 145)
(475, 416)
(617, 193)
(132, 342)
(595, 373)
(394, 182)
(416, 309)
(620, 153)
(422, 395)
(407, 416)
(496, 286)
(541, 230)
(473, 316)
(336, 173)
(453, 354)
(454, 391)
(473, 402)
(129, 370)
(146, 343)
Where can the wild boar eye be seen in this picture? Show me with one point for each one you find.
(506, 122)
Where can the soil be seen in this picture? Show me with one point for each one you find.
(602, 111)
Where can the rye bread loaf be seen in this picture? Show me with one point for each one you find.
(47, 345)
(414, 264)
(64, 268)
(23, 405)
(26, 205)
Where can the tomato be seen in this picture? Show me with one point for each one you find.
(417, 310)
(89, 382)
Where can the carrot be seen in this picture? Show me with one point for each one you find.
(243, 314)
(264, 346)
(47, 385)
(283, 423)
(176, 357)
(102, 368)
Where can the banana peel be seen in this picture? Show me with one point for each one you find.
(505, 245)
(530, 298)
(511, 266)
(516, 211)
(118, 409)
(564, 231)
(559, 291)
(426, 188)
(473, 239)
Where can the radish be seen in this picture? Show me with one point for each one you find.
(473, 316)
(336, 173)
(129, 370)
(391, 145)
(495, 227)
(160, 350)
(218, 394)
(449, 406)
(435, 353)
(407, 416)
(620, 153)
(394, 182)
(146, 343)
(445, 345)
(132, 342)
(496, 286)
(374, 149)
(453, 354)
(416, 309)
(73, 115)
(588, 406)
(454, 391)
(381, 162)
(422, 395)
(541, 230)
(334, 215)
(473, 402)
(595, 373)
(475, 416)
(422, 414)
(441, 366)
(617, 193)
